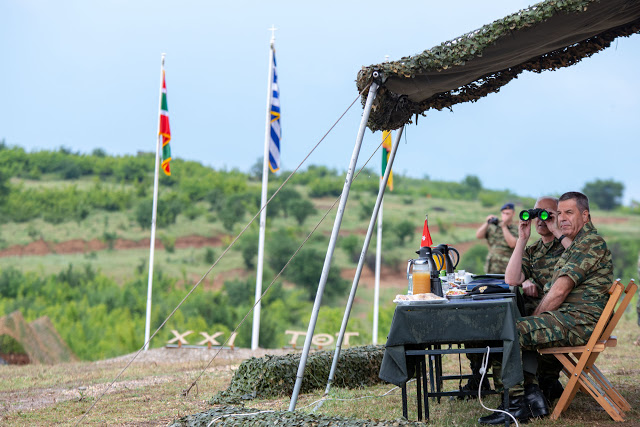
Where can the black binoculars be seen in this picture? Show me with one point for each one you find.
(528, 214)
(493, 221)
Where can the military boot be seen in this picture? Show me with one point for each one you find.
(551, 388)
(517, 408)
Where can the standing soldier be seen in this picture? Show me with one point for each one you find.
(501, 236)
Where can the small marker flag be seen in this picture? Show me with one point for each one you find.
(165, 131)
(386, 152)
(426, 236)
(274, 142)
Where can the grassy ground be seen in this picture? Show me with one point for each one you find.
(151, 393)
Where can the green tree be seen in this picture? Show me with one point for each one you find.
(305, 270)
(301, 209)
(404, 229)
(606, 194)
(473, 184)
(352, 245)
(4, 184)
(168, 208)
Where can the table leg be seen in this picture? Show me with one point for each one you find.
(426, 390)
(432, 373)
(405, 412)
(505, 402)
(438, 379)
(419, 368)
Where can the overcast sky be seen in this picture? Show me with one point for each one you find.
(85, 75)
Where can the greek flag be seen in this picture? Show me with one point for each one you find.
(276, 132)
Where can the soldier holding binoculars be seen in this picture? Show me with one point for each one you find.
(501, 237)
(532, 266)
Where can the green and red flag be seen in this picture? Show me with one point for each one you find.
(165, 131)
(386, 151)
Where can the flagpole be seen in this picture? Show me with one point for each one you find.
(255, 334)
(152, 244)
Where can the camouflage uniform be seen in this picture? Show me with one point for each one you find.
(588, 263)
(538, 263)
(499, 250)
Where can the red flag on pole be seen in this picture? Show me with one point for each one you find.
(426, 236)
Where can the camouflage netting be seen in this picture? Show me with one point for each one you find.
(547, 36)
(271, 376)
(40, 340)
(278, 418)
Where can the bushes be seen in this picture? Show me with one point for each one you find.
(169, 206)
(271, 376)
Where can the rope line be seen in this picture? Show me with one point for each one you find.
(218, 260)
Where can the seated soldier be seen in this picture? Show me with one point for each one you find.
(572, 303)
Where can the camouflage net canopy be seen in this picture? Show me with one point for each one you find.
(40, 340)
(547, 36)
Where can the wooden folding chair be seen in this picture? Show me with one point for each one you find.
(578, 362)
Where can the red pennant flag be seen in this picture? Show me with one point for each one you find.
(426, 236)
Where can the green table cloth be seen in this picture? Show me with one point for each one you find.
(415, 326)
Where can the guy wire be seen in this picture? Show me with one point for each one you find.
(218, 260)
(186, 392)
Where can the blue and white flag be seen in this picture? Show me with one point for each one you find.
(276, 132)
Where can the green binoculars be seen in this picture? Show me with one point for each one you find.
(528, 214)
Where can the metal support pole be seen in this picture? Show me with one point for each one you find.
(363, 254)
(376, 285)
(373, 89)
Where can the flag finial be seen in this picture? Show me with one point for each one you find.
(273, 34)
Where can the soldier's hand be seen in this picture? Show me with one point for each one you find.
(524, 229)
(490, 216)
(552, 224)
(529, 288)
